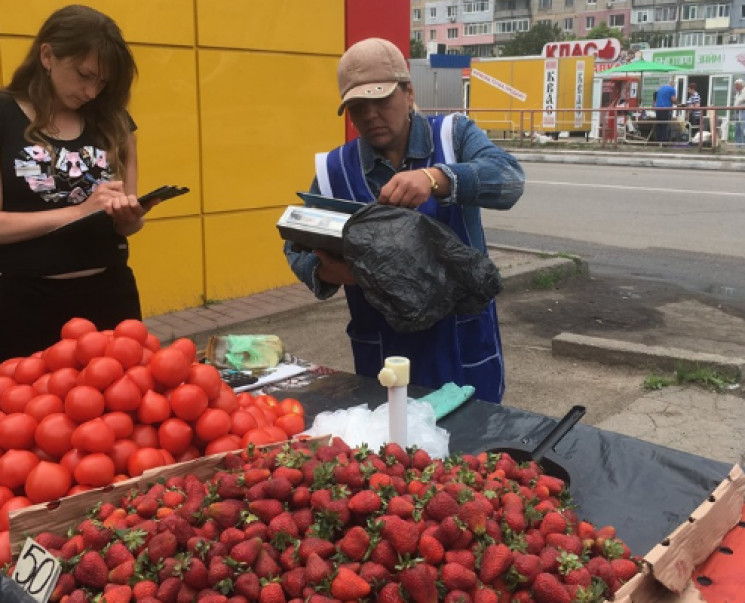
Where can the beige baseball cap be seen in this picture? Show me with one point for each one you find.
(371, 68)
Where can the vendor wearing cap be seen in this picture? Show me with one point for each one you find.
(443, 166)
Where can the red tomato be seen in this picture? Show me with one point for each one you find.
(266, 399)
(142, 377)
(120, 453)
(123, 395)
(269, 412)
(95, 470)
(120, 422)
(145, 436)
(187, 347)
(78, 488)
(47, 481)
(5, 495)
(257, 437)
(169, 366)
(207, 377)
(90, 345)
(8, 367)
(75, 327)
(192, 452)
(5, 383)
(101, 372)
(175, 435)
(245, 399)
(292, 405)
(53, 434)
(15, 466)
(43, 456)
(224, 443)
(44, 405)
(226, 399)
(144, 459)
(41, 385)
(153, 408)
(15, 503)
(167, 457)
(93, 436)
(61, 355)
(188, 401)
(29, 370)
(15, 398)
(276, 433)
(213, 424)
(259, 416)
(152, 343)
(62, 381)
(126, 350)
(83, 403)
(291, 423)
(71, 458)
(132, 328)
(242, 421)
(17, 431)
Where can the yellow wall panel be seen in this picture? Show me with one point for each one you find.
(165, 108)
(12, 52)
(152, 21)
(311, 26)
(264, 116)
(167, 258)
(244, 254)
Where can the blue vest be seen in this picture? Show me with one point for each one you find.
(465, 348)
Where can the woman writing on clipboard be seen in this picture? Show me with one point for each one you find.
(69, 177)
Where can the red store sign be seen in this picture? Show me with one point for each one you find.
(608, 49)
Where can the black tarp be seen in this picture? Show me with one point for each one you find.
(644, 490)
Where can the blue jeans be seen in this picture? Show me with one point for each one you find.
(739, 127)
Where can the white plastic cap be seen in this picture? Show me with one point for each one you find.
(395, 372)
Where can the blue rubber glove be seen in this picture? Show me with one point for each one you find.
(449, 397)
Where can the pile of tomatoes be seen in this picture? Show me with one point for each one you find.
(99, 407)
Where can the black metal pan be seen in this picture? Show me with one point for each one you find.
(541, 454)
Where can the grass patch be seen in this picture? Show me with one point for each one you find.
(703, 376)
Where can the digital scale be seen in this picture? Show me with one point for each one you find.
(318, 224)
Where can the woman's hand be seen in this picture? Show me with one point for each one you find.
(413, 187)
(333, 270)
(124, 209)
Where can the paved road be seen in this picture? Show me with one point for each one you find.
(682, 227)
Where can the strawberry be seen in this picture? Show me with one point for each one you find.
(226, 513)
(117, 554)
(548, 589)
(580, 577)
(485, 594)
(350, 475)
(421, 459)
(526, 567)
(218, 571)
(585, 530)
(457, 577)
(474, 516)
(95, 535)
(168, 590)
(462, 556)
(255, 529)
(567, 542)
(294, 581)
(229, 485)
(441, 505)
(266, 509)
(390, 593)
(288, 558)
(553, 523)
(365, 502)
(309, 545)
(495, 561)
(248, 585)
(278, 488)
(91, 570)
(147, 507)
(118, 594)
(282, 524)
(50, 540)
(402, 534)
(317, 569)
(401, 506)
(374, 573)
(300, 497)
(65, 585)
(291, 474)
(354, 543)
(265, 566)
(349, 586)
(246, 551)
(196, 574)
(144, 589)
(457, 596)
(419, 584)
(385, 554)
(231, 536)
(431, 549)
(448, 531)
(600, 567)
(173, 498)
(122, 572)
(624, 569)
(161, 546)
(514, 518)
(549, 557)
(77, 596)
(397, 453)
(210, 597)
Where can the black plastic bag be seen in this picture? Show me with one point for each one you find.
(415, 270)
(10, 592)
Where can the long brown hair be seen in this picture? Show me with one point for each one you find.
(76, 31)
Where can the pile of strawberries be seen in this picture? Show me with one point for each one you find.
(329, 523)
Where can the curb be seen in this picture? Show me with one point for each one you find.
(637, 355)
(669, 162)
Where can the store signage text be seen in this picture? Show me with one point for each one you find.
(608, 49)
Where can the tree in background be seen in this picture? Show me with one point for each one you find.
(531, 42)
(416, 49)
(602, 31)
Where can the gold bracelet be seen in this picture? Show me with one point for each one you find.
(432, 182)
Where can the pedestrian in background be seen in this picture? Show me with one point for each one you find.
(444, 167)
(664, 101)
(693, 102)
(67, 150)
(739, 114)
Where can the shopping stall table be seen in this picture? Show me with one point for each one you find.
(642, 489)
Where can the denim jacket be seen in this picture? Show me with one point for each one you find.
(483, 175)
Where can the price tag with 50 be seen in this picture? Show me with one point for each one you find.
(36, 571)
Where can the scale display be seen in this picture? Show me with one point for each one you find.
(312, 228)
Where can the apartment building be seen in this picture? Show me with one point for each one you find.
(480, 27)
